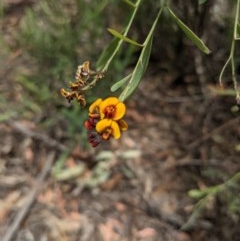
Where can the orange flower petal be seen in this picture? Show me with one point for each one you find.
(106, 125)
(110, 101)
(123, 125)
(116, 130)
(118, 107)
(94, 107)
(120, 111)
(102, 125)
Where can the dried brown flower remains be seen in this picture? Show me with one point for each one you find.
(85, 78)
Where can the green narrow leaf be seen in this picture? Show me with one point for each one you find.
(130, 3)
(108, 54)
(120, 83)
(195, 39)
(126, 39)
(138, 71)
(196, 193)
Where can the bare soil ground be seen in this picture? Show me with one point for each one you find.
(179, 138)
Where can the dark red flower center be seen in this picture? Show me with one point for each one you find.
(110, 111)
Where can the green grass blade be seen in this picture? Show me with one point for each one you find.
(120, 83)
(124, 38)
(195, 39)
(138, 71)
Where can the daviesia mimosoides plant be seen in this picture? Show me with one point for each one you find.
(105, 116)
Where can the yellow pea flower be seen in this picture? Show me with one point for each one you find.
(107, 128)
(94, 109)
(112, 108)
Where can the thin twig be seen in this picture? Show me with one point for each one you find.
(30, 199)
(36, 135)
(196, 143)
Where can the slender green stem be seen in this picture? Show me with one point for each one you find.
(155, 22)
(119, 43)
(223, 69)
(136, 6)
(234, 78)
(236, 20)
(143, 59)
(231, 58)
